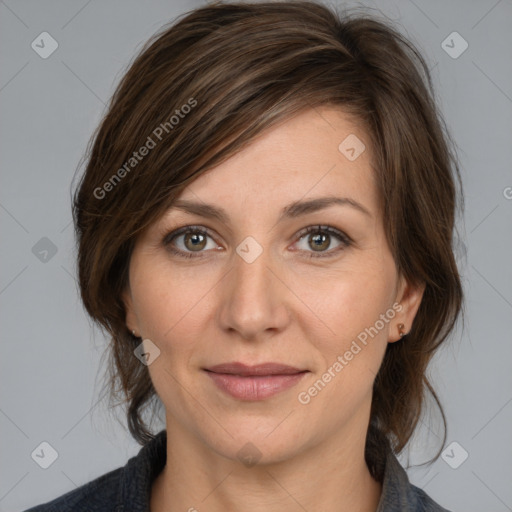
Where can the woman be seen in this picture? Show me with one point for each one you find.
(265, 230)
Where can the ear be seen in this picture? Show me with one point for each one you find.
(409, 296)
(131, 319)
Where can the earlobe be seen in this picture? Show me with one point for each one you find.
(402, 331)
(409, 297)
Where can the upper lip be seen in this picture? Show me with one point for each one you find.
(236, 368)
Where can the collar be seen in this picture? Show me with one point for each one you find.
(139, 473)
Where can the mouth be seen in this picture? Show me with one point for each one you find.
(252, 383)
(264, 369)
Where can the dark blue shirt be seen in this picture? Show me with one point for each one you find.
(128, 488)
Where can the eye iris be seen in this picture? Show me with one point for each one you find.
(196, 242)
(319, 241)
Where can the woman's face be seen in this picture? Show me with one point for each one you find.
(251, 286)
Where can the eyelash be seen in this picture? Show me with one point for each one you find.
(343, 238)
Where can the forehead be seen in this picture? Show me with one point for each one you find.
(320, 152)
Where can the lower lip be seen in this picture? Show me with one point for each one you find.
(255, 387)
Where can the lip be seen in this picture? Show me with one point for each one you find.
(252, 383)
(244, 370)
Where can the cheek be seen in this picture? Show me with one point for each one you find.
(353, 300)
(163, 297)
(169, 308)
(353, 344)
(351, 349)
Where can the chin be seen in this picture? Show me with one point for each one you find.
(257, 442)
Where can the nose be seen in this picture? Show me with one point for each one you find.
(254, 297)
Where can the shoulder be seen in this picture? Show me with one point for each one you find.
(97, 495)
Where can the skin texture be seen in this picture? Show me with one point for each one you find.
(283, 307)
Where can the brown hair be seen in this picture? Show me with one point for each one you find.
(205, 87)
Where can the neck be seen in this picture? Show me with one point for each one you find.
(318, 478)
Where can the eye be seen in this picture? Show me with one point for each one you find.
(193, 239)
(319, 238)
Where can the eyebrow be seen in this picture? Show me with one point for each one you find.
(293, 210)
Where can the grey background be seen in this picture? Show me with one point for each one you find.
(51, 363)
